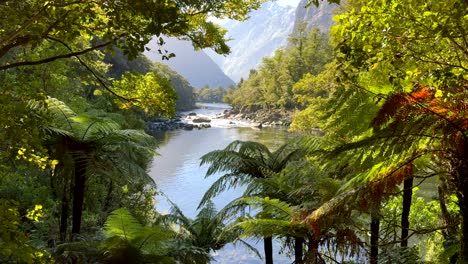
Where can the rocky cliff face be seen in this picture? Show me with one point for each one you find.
(195, 66)
(266, 30)
(313, 16)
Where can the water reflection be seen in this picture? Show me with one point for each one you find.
(177, 172)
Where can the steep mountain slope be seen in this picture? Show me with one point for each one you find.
(266, 30)
(195, 66)
(313, 16)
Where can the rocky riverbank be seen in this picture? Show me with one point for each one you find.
(185, 122)
(246, 117)
(259, 117)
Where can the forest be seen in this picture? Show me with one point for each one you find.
(385, 180)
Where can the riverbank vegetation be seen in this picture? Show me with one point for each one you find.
(387, 89)
(390, 99)
(211, 95)
(75, 94)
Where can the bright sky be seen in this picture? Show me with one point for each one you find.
(288, 2)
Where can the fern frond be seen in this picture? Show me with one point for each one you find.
(225, 182)
(273, 207)
(261, 227)
(122, 224)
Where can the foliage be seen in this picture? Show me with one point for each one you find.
(204, 234)
(211, 95)
(130, 242)
(244, 161)
(150, 92)
(33, 22)
(271, 84)
(142, 65)
(87, 147)
(400, 98)
(15, 244)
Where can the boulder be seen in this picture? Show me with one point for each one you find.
(201, 120)
(188, 127)
(256, 124)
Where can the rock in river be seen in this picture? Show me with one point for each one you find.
(201, 120)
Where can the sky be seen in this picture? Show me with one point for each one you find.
(288, 2)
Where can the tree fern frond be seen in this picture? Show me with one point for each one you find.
(60, 113)
(225, 182)
(261, 227)
(361, 193)
(249, 247)
(57, 131)
(178, 217)
(273, 207)
(122, 224)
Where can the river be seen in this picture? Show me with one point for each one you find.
(178, 174)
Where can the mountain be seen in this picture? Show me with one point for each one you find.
(198, 68)
(313, 16)
(266, 30)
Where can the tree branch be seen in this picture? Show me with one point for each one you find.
(54, 58)
(91, 71)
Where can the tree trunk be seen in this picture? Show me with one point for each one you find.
(268, 247)
(451, 232)
(407, 197)
(64, 214)
(374, 239)
(298, 244)
(312, 251)
(463, 202)
(107, 203)
(462, 192)
(78, 195)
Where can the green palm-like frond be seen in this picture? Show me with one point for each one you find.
(243, 161)
(229, 160)
(225, 182)
(60, 113)
(261, 227)
(122, 224)
(272, 207)
(129, 240)
(363, 191)
(274, 218)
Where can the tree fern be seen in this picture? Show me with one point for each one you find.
(125, 234)
(122, 224)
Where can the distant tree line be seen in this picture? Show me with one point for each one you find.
(211, 95)
(279, 80)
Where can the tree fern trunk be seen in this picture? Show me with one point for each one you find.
(64, 213)
(450, 232)
(463, 256)
(374, 239)
(78, 195)
(407, 195)
(463, 202)
(312, 251)
(107, 204)
(298, 244)
(268, 247)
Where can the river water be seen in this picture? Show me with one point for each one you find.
(178, 174)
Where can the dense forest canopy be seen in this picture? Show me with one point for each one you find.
(388, 98)
(380, 102)
(73, 106)
(211, 95)
(271, 84)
